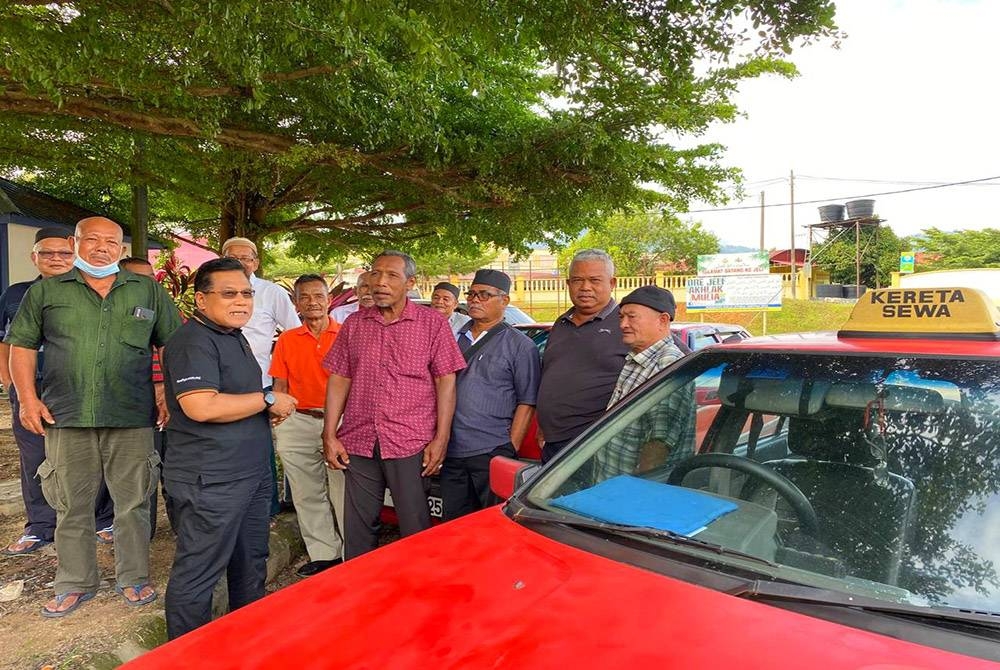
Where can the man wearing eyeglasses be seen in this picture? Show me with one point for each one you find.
(495, 396)
(52, 255)
(273, 312)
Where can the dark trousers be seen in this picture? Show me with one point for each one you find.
(221, 529)
(550, 449)
(41, 517)
(465, 482)
(365, 483)
(160, 444)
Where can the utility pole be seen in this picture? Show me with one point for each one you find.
(791, 250)
(762, 221)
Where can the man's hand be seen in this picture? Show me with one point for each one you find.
(282, 408)
(335, 453)
(433, 457)
(33, 413)
(162, 413)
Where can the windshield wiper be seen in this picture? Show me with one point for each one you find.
(546, 516)
(802, 593)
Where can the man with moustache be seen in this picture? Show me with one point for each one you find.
(392, 379)
(495, 396)
(97, 409)
(363, 293)
(51, 255)
(296, 367)
(218, 464)
(584, 354)
(444, 298)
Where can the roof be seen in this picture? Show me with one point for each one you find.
(26, 205)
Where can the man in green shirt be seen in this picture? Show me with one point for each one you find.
(98, 325)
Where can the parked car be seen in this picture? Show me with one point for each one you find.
(839, 509)
(512, 315)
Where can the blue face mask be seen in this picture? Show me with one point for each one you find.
(96, 271)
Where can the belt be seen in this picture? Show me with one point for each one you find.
(314, 413)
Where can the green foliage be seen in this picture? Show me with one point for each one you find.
(642, 243)
(947, 250)
(880, 249)
(353, 125)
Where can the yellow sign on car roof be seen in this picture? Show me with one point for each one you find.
(955, 312)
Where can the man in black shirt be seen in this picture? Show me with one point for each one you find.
(218, 464)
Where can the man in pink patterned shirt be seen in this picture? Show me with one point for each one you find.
(392, 379)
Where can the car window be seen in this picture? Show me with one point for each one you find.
(700, 340)
(876, 475)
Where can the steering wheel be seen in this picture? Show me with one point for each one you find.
(786, 489)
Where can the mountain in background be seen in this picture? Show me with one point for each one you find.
(735, 249)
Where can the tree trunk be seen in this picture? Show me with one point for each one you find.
(140, 221)
(244, 215)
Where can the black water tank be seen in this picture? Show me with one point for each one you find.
(831, 213)
(853, 291)
(860, 209)
(829, 290)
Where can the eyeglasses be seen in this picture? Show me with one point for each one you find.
(244, 259)
(481, 296)
(55, 254)
(230, 294)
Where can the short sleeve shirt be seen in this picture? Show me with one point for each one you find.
(298, 359)
(272, 309)
(203, 356)
(98, 352)
(392, 368)
(10, 300)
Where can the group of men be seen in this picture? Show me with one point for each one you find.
(382, 395)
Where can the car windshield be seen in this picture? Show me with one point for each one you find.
(872, 475)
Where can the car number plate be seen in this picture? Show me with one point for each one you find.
(433, 502)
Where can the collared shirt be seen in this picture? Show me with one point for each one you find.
(98, 352)
(392, 368)
(503, 374)
(10, 300)
(457, 320)
(272, 309)
(340, 313)
(298, 358)
(204, 356)
(579, 371)
(641, 366)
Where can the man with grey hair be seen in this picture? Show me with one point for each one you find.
(363, 293)
(584, 354)
(392, 380)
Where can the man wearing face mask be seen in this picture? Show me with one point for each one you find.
(52, 255)
(98, 406)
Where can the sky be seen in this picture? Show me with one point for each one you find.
(911, 95)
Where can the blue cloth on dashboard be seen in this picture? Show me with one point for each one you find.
(634, 501)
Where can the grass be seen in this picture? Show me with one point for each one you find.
(794, 316)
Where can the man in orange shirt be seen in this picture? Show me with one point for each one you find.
(295, 366)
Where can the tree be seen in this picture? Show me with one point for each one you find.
(642, 243)
(880, 249)
(379, 122)
(948, 250)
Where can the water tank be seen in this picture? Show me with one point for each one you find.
(853, 291)
(829, 290)
(830, 213)
(860, 209)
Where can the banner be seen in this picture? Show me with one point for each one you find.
(734, 294)
(749, 263)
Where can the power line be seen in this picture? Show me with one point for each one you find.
(849, 197)
(885, 181)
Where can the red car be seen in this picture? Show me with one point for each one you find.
(858, 531)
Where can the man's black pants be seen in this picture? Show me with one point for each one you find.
(364, 492)
(465, 482)
(221, 529)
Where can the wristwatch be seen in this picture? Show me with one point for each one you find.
(269, 399)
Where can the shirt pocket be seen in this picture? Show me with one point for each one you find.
(136, 333)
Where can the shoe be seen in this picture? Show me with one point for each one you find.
(55, 614)
(136, 590)
(106, 535)
(31, 543)
(315, 567)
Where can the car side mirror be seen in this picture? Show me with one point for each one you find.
(506, 474)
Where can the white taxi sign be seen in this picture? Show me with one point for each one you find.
(953, 312)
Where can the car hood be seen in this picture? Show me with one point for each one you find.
(485, 592)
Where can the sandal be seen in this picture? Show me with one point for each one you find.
(31, 542)
(56, 613)
(106, 535)
(137, 591)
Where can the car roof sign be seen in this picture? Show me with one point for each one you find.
(944, 313)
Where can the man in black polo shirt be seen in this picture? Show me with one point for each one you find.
(218, 465)
(584, 354)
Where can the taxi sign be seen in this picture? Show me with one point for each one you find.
(952, 313)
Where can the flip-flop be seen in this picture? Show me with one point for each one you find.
(138, 589)
(110, 530)
(35, 544)
(55, 614)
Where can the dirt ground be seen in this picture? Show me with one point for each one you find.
(29, 641)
